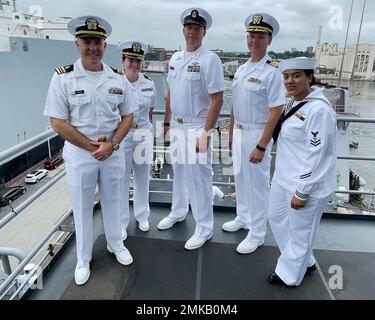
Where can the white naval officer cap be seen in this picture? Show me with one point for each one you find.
(133, 49)
(300, 63)
(89, 26)
(262, 22)
(196, 16)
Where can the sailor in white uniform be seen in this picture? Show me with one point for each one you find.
(305, 172)
(91, 107)
(138, 144)
(196, 85)
(258, 99)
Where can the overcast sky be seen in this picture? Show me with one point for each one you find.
(157, 22)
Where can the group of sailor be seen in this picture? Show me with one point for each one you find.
(104, 114)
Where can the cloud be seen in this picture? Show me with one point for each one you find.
(158, 21)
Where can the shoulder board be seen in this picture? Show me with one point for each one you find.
(65, 69)
(273, 63)
(118, 71)
(148, 78)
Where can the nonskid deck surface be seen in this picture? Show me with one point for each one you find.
(163, 269)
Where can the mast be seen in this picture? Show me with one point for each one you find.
(359, 35)
(346, 39)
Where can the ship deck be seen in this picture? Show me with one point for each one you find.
(164, 270)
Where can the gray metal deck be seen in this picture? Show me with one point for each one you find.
(163, 269)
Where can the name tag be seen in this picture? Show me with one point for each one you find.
(75, 92)
(147, 89)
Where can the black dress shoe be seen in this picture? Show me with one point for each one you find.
(273, 278)
(311, 268)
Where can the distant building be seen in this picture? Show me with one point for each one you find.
(330, 57)
(219, 52)
(156, 54)
(310, 50)
(293, 50)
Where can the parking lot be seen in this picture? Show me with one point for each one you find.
(30, 189)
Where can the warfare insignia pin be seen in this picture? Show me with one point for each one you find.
(118, 91)
(194, 67)
(91, 24)
(254, 80)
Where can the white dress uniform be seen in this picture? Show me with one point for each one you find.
(138, 147)
(192, 78)
(305, 168)
(257, 86)
(94, 107)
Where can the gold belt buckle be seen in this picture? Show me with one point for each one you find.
(102, 138)
(179, 120)
(134, 125)
(239, 126)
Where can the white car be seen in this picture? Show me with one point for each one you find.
(35, 176)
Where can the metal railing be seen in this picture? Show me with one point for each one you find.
(8, 281)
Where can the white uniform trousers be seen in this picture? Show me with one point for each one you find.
(252, 182)
(138, 150)
(83, 173)
(192, 177)
(294, 231)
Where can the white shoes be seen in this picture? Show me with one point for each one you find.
(248, 246)
(124, 234)
(143, 226)
(124, 257)
(168, 222)
(81, 275)
(196, 242)
(233, 226)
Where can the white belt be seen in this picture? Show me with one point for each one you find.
(248, 126)
(181, 119)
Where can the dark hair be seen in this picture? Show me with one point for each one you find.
(310, 72)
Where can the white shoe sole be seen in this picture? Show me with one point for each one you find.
(165, 228)
(82, 282)
(233, 230)
(250, 251)
(124, 264)
(196, 247)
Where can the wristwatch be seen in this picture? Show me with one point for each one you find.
(115, 145)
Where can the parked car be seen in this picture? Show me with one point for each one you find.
(12, 194)
(51, 164)
(35, 176)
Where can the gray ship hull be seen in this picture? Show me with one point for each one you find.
(25, 73)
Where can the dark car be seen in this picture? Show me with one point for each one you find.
(12, 194)
(51, 164)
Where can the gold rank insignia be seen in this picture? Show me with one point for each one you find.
(91, 24)
(117, 70)
(64, 69)
(257, 19)
(273, 63)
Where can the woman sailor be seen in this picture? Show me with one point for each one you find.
(138, 144)
(305, 172)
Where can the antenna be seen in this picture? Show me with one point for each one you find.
(346, 39)
(359, 35)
